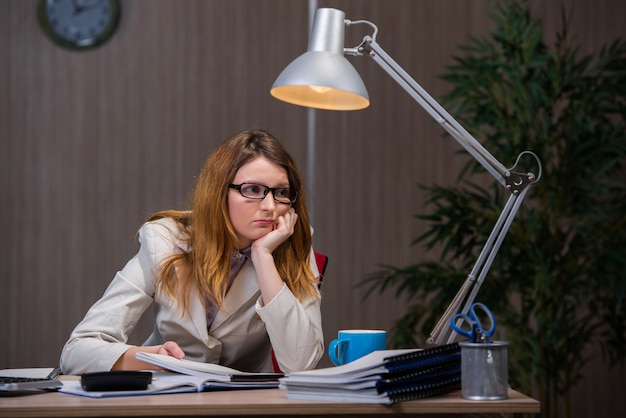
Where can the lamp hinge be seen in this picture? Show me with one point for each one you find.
(364, 47)
(516, 182)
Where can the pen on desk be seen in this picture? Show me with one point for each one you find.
(54, 373)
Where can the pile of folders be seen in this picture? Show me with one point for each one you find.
(385, 376)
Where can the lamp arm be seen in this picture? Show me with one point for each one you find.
(516, 183)
(478, 273)
(372, 49)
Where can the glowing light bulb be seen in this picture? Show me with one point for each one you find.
(320, 89)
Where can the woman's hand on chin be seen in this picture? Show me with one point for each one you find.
(283, 229)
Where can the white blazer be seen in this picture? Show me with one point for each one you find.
(241, 336)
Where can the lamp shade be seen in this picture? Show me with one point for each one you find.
(322, 77)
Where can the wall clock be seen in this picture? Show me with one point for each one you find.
(79, 24)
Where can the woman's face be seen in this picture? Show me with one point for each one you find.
(253, 218)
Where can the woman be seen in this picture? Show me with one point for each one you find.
(232, 278)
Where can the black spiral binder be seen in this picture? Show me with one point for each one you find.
(446, 369)
(424, 390)
(421, 359)
(422, 373)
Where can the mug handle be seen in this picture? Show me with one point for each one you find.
(333, 348)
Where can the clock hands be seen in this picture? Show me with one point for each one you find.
(80, 6)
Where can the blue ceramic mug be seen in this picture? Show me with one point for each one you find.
(353, 344)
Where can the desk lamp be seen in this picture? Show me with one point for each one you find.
(323, 78)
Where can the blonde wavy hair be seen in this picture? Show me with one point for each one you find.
(210, 234)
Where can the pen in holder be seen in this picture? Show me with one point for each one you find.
(484, 370)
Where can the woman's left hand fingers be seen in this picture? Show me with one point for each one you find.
(283, 229)
(288, 220)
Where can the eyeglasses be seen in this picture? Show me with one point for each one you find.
(258, 191)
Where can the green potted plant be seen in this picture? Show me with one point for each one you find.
(558, 284)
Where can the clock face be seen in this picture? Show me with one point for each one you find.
(79, 24)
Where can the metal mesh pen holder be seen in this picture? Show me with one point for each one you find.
(484, 371)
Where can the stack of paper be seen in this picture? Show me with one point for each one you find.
(386, 376)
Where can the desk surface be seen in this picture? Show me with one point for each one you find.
(258, 403)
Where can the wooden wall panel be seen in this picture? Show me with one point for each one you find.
(91, 143)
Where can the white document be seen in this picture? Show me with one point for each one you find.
(208, 371)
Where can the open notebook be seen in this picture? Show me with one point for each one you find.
(185, 376)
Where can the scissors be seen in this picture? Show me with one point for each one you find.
(477, 332)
